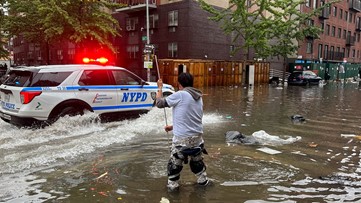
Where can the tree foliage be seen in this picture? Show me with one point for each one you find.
(271, 28)
(50, 21)
(4, 53)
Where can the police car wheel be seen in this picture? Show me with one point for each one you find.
(70, 111)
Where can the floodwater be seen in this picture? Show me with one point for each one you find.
(80, 160)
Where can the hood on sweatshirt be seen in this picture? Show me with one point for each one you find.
(196, 93)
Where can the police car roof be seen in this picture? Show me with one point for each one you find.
(67, 67)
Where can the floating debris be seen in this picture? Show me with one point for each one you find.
(297, 118)
(164, 200)
(103, 193)
(238, 137)
(312, 144)
(102, 175)
(242, 183)
(348, 135)
(268, 150)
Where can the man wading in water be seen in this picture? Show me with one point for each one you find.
(187, 129)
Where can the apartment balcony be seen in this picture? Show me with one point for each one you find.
(136, 5)
(325, 13)
(350, 40)
(355, 5)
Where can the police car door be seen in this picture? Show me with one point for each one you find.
(133, 94)
(98, 89)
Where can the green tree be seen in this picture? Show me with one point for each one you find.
(54, 21)
(4, 53)
(272, 28)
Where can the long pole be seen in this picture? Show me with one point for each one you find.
(148, 41)
(165, 114)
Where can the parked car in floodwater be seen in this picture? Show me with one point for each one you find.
(303, 78)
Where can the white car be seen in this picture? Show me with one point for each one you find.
(33, 96)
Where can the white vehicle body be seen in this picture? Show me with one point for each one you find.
(30, 95)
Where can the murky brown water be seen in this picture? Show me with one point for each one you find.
(79, 161)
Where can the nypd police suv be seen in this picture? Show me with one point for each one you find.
(33, 96)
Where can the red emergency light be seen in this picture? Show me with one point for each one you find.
(101, 60)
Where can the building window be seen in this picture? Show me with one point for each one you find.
(315, 4)
(339, 31)
(334, 11)
(59, 54)
(172, 50)
(346, 15)
(338, 54)
(333, 31)
(132, 51)
(344, 34)
(347, 53)
(327, 29)
(358, 37)
(350, 18)
(310, 22)
(309, 48)
(153, 21)
(325, 54)
(323, 27)
(38, 55)
(308, 3)
(341, 13)
(131, 24)
(171, 29)
(71, 53)
(173, 18)
(231, 49)
(353, 53)
(332, 52)
(319, 51)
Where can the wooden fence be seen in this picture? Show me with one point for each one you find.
(208, 73)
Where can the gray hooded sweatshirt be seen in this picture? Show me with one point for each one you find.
(187, 112)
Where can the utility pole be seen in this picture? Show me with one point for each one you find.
(148, 41)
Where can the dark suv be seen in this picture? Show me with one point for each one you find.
(303, 78)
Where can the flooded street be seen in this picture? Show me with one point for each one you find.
(80, 160)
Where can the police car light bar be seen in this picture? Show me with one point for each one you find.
(101, 60)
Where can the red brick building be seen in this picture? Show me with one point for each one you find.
(340, 39)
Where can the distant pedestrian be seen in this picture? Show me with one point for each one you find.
(187, 129)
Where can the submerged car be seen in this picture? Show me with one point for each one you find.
(303, 78)
(38, 96)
